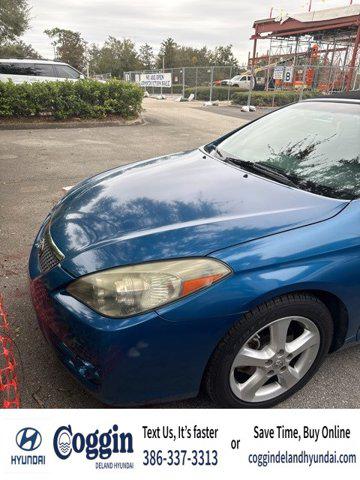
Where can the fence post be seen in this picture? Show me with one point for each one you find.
(183, 86)
(196, 82)
(249, 94)
(303, 83)
(268, 71)
(354, 72)
(211, 82)
(229, 82)
(252, 74)
(163, 71)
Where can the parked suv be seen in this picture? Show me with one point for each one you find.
(20, 71)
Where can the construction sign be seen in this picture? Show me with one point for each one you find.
(278, 73)
(289, 74)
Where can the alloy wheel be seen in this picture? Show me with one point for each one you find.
(274, 359)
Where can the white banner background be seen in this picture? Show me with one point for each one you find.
(232, 425)
(155, 80)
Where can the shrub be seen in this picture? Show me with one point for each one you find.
(218, 93)
(266, 99)
(62, 100)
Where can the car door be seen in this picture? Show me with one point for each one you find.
(65, 72)
(235, 80)
(243, 82)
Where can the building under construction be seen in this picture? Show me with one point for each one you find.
(317, 50)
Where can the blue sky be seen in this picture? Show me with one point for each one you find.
(190, 22)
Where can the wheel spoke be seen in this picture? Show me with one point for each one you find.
(249, 357)
(252, 385)
(278, 334)
(288, 378)
(305, 341)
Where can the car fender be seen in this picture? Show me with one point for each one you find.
(324, 256)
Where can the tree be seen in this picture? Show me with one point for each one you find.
(176, 56)
(17, 49)
(189, 56)
(69, 46)
(223, 56)
(115, 57)
(167, 52)
(14, 19)
(146, 57)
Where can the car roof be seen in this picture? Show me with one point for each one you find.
(344, 97)
(29, 60)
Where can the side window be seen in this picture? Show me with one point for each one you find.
(25, 69)
(5, 68)
(44, 70)
(64, 71)
(18, 68)
(243, 79)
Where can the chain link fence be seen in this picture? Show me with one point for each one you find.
(102, 76)
(190, 78)
(247, 86)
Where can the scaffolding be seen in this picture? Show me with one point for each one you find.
(321, 49)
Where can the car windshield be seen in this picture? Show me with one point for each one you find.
(316, 145)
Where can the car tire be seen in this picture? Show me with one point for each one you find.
(225, 382)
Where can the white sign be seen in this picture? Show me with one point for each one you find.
(289, 73)
(278, 73)
(155, 80)
(108, 444)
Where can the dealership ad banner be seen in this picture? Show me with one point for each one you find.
(155, 80)
(163, 444)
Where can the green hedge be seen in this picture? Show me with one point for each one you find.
(218, 93)
(266, 99)
(63, 100)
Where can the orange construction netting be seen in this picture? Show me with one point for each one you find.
(9, 387)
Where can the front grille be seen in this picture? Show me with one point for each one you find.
(49, 254)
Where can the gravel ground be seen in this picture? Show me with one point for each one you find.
(36, 164)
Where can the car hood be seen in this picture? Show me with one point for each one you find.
(187, 204)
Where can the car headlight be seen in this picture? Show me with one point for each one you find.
(124, 291)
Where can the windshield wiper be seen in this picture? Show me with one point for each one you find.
(264, 170)
(255, 167)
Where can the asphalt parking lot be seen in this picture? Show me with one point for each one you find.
(36, 164)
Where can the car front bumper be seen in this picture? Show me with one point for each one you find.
(142, 359)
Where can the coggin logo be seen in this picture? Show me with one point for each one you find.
(94, 445)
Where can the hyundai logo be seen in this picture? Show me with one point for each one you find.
(28, 439)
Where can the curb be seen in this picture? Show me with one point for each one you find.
(70, 124)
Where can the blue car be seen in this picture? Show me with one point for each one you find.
(232, 268)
